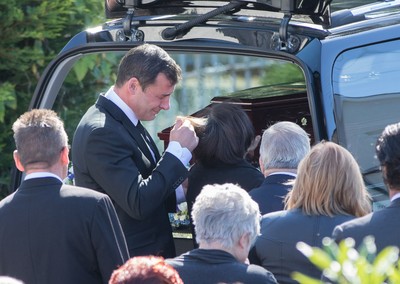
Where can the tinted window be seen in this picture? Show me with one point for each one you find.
(367, 98)
(205, 77)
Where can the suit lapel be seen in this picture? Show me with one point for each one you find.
(119, 115)
(153, 145)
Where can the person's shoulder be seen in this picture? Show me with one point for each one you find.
(244, 164)
(358, 222)
(281, 220)
(7, 199)
(278, 214)
(261, 189)
(259, 273)
(82, 192)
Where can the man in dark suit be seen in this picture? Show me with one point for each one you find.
(50, 232)
(383, 225)
(113, 153)
(283, 146)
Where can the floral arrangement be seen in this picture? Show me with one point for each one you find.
(180, 219)
(70, 179)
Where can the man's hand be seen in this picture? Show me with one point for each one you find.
(183, 132)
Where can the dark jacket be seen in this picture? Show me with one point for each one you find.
(271, 193)
(110, 155)
(243, 174)
(275, 249)
(54, 233)
(201, 266)
(383, 225)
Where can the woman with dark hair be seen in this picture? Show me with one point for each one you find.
(225, 134)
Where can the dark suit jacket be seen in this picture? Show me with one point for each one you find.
(383, 225)
(214, 266)
(271, 193)
(243, 173)
(110, 156)
(275, 249)
(54, 233)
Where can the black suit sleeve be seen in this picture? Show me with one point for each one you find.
(115, 162)
(108, 239)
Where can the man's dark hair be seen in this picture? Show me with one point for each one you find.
(144, 63)
(388, 154)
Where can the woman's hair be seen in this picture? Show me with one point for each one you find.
(329, 182)
(145, 269)
(226, 136)
(224, 213)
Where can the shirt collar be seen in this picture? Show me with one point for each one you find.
(396, 196)
(41, 175)
(283, 173)
(112, 96)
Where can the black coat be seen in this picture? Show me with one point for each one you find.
(383, 225)
(110, 156)
(271, 193)
(54, 233)
(212, 266)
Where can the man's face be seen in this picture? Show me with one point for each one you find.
(149, 102)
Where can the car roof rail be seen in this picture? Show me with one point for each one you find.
(319, 9)
(348, 16)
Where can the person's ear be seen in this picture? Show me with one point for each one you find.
(64, 156)
(17, 161)
(133, 85)
(260, 162)
(244, 241)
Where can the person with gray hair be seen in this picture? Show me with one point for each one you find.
(283, 146)
(227, 222)
(51, 232)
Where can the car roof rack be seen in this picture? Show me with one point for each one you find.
(348, 16)
(317, 10)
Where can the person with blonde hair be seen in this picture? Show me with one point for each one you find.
(328, 191)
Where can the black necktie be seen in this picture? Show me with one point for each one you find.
(142, 131)
(147, 139)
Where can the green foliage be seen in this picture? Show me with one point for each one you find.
(343, 264)
(32, 33)
(278, 73)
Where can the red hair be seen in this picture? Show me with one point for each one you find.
(145, 269)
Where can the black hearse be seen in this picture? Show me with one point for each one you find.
(330, 66)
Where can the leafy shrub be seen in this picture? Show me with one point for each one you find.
(344, 264)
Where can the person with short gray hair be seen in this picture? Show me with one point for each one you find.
(227, 223)
(283, 145)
